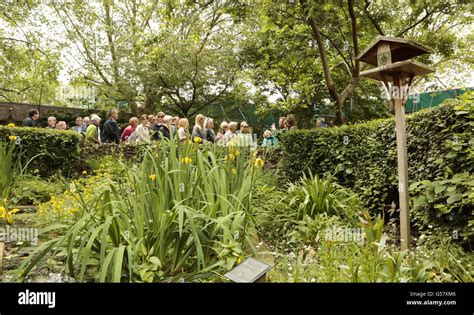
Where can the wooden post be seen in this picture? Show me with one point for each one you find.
(402, 165)
(2, 245)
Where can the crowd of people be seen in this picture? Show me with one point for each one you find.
(150, 127)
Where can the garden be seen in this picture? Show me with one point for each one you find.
(158, 142)
(321, 207)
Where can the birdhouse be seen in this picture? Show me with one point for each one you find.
(392, 57)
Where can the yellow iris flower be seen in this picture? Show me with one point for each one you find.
(186, 160)
(259, 162)
(7, 215)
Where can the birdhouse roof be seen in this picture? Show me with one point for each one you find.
(401, 49)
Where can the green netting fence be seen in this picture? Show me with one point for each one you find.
(432, 99)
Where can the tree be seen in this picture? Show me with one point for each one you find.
(193, 62)
(29, 68)
(340, 28)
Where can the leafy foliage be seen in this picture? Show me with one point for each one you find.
(313, 195)
(363, 157)
(54, 150)
(346, 261)
(178, 214)
(33, 190)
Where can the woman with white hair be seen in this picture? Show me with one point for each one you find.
(93, 131)
(141, 133)
(51, 122)
(222, 131)
(230, 133)
(208, 126)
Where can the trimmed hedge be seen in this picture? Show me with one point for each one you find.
(363, 157)
(58, 148)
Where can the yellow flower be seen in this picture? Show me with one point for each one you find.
(11, 125)
(84, 172)
(153, 177)
(197, 139)
(233, 171)
(259, 162)
(7, 215)
(237, 152)
(12, 138)
(186, 160)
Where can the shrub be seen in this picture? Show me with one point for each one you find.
(332, 260)
(33, 190)
(7, 169)
(448, 202)
(293, 213)
(56, 150)
(363, 157)
(313, 195)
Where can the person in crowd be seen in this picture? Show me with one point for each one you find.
(86, 121)
(245, 136)
(239, 128)
(93, 131)
(167, 121)
(111, 130)
(160, 117)
(141, 133)
(151, 122)
(133, 122)
(291, 122)
(224, 127)
(32, 119)
(208, 126)
(282, 128)
(160, 129)
(79, 127)
(198, 129)
(51, 122)
(269, 140)
(230, 134)
(282, 122)
(320, 123)
(183, 132)
(174, 125)
(61, 125)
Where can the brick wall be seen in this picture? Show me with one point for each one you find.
(16, 112)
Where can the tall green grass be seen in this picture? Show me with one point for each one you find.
(11, 169)
(166, 218)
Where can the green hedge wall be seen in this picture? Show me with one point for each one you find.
(363, 157)
(59, 148)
